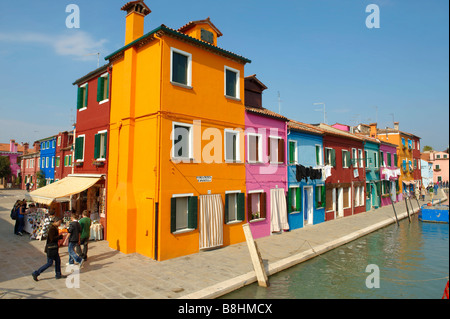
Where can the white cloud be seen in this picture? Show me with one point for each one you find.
(77, 44)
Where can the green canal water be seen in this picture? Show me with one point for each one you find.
(410, 258)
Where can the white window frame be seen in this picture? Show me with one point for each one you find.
(189, 67)
(343, 159)
(105, 89)
(272, 137)
(84, 94)
(238, 85)
(321, 162)
(259, 136)
(103, 132)
(354, 160)
(238, 146)
(191, 141)
(183, 229)
(84, 147)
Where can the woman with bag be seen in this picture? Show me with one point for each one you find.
(52, 250)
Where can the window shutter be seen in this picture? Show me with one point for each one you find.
(173, 215)
(249, 207)
(97, 146)
(268, 149)
(298, 199)
(280, 150)
(80, 98)
(333, 157)
(107, 87)
(241, 206)
(227, 218)
(317, 197)
(291, 152)
(100, 88)
(323, 195)
(86, 95)
(317, 155)
(192, 212)
(105, 144)
(262, 204)
(389, 159)
(289, 201)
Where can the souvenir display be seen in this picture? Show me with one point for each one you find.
(39, 221)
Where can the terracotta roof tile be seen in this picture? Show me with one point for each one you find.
(265, 112)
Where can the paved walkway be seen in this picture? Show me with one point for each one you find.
(208, 274)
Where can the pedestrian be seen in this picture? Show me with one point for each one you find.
(417, 192)
(15, 215)
(436, 188)
(52, 251)
(74, 240)
(85, 223)
(431, 190)
(422, 192)
(21, 217)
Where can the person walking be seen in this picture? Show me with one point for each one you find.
(74, 240)
(21, 217)
(85, 223)
(52, 250)
(422, 192)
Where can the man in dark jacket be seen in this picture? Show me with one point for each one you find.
(52, 250)
(74, 240)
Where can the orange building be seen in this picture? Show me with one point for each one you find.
(176, 174)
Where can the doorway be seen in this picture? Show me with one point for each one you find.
(210, 221)
(308, 205)
(340, 202)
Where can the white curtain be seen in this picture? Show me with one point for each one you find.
(278, 210)
(211, 221)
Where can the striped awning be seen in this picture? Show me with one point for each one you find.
(61, 189)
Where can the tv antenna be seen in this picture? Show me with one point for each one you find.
(324, 112)
(98, 57)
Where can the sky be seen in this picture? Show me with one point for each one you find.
(304, 51)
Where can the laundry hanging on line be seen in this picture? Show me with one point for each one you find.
(303, 172)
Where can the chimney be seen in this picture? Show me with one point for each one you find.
(26, 146)
(396, 125)
(373, 130)
(134, 26)
(12, 146)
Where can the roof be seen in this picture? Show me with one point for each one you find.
(265, 112)
(329, 130)
(254, 78)
(192, 24)
(130, 5)
(164, 30)
(92, 74)
(299, 126)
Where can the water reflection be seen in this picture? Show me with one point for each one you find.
(408, 256)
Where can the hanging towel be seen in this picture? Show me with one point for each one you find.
(211, 221)
(278, 210)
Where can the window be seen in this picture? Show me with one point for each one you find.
(357, 196)
(58, 160)
(183, 213)
(82, 98)
(438, 156)
(395, 160)
(275, 150)
(320, 196)
(410, 144)
(366, 158)
(59, 140)
(361, 158)
(330, 156)
(181, 67)
(46, 162)
(256, 205)
(294, 200)
(330, 195)
(182, 141)
(389, 159)
(79, 149)
(319, 155)
(100, 145)
(362, 197)
(375, 159)
(382, 162)
(293, 152)
(254, 146)
(347, 198)
(234, 207)
(403, 142)
(345, 159)
(232, 82)
(103, 87)
(354, 158)
(53, 161)
(232, 146)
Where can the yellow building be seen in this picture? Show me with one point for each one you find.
(176, 175)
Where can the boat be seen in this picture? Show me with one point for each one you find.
(434, 214)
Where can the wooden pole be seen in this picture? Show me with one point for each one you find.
(392, 202)
(407, 209)
(258, 265)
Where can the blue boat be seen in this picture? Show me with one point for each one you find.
(434, 214)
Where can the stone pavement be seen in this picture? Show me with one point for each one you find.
(109, 274)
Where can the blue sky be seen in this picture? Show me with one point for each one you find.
(307, 51)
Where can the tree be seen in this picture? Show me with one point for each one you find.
(40, 179)
(5, 167)
(427, 148)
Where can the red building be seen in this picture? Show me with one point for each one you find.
(417, 173)
(91, 139)
(63, 155)
(345, 187)
(29, 167)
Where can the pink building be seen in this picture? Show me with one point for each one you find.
(440, 165)
(389, 173)
(12, 151)
(265, 163)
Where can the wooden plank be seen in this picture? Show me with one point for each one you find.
(258, 265)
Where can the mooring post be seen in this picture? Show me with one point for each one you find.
(258, 265)
(392, 202)
(407, 209)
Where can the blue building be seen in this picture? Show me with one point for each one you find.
(306, 186)
(47, 158)
(372, 163)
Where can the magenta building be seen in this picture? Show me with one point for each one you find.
(389, 173)
(265, 163)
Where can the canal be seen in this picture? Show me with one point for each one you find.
(412, 262)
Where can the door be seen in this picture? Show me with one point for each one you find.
(369, 196)
(340, 202)
(210, 221)
(308, 207)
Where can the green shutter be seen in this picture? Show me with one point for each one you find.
(298, 199)
(241, 206)
(317, 154)
(192, 212)
(291, 152)
(105, 144)
(289, 201)
(395, 160)
(97, 146)
(107, 87)
(85, 95)
(389, 159)
(100, 88)
(227, 217)
(317, 197)
(80, 98)
(324, 195)
(173, 215)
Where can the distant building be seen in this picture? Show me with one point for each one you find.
(12, 151)
(440, 162)
(30, 166)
